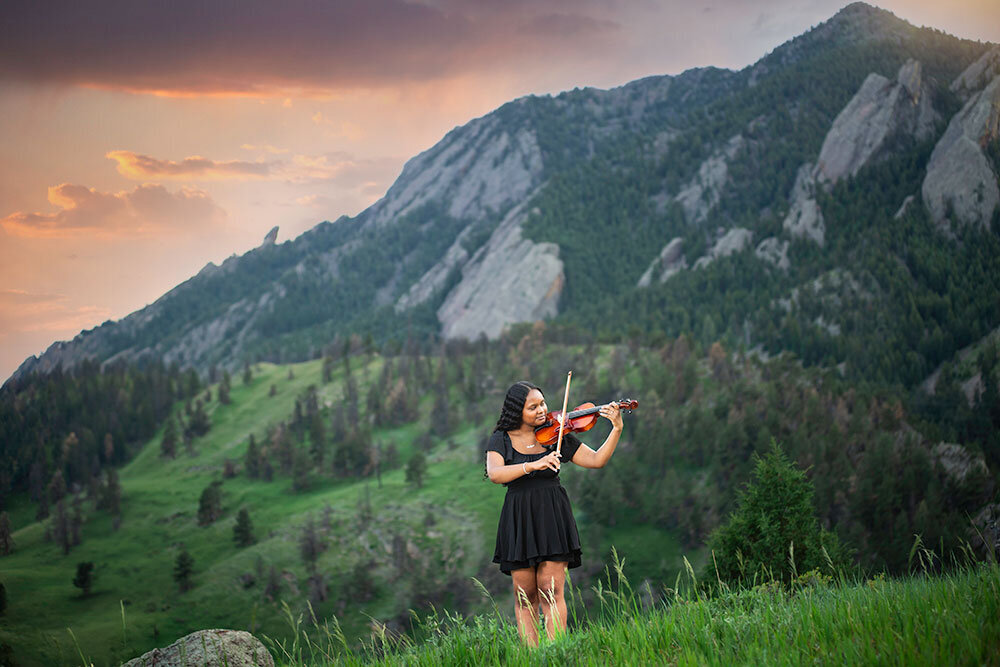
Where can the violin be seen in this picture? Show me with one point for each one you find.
(581, 418)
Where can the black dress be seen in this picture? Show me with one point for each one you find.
(536, 522)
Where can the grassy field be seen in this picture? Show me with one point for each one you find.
(945, 620)
(134, 565)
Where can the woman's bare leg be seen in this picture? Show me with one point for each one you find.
(526, 604)
(549, 580)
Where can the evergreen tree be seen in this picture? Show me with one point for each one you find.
(199, 423)
(774, 531)
(317, 440)
(84, 578)
(247, 375)
(210, 503)
(76, 523)
(57, 487)
(251, 462)
(61, 531)
(183, 568)
(112, 497)
(243, 529)
(310, 545)
(6, 539)
(168, 445)
(224, 389)
(416, 469)
(3, 599)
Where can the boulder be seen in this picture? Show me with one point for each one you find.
(208, 648)
(977, 75)
(960, 186)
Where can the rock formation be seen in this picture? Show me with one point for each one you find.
(865, 131)
(961, 184)
(774, 251)
(703, 191)
(271, 236)
(509, 279)
(731, 242)
(804, 219)
(977, 75)
(667, 263)
(208, 648)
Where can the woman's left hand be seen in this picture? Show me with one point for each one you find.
(613, 414)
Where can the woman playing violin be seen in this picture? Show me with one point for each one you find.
(537, 538)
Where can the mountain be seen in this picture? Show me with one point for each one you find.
(756, 207)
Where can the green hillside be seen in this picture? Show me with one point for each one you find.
(381, 546)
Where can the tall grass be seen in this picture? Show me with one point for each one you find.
(925, 619)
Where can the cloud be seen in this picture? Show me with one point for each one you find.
(148, 209)
(263, 48)
(266, 148)
(22, 311)
(341, 168)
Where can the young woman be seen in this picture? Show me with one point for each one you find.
(537, 538)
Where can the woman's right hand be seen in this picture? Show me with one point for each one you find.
(550, 462)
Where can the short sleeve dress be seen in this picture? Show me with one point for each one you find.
(536, 522)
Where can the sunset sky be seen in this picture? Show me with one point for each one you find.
(141, 140)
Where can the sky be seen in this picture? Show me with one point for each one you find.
(140, 141)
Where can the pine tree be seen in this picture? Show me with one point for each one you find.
(84, 578)
(251, 462)
(6, 539)
(112, 500)
(243, 529)
(210, 503)
(3, 599)
(247, 375)
(57, 487)
(310, 545)
(774, 531)
(183, 568)
(416, 469)
(199, 424)
(61, 527)
(224, 389)
(168, 446)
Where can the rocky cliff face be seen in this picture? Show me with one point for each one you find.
(450, 238)
(881, 114)
(961, 184)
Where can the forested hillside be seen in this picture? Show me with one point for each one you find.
(805, 252)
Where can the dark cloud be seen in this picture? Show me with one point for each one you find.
(263, 47)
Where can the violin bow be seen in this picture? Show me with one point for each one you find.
(562, 422)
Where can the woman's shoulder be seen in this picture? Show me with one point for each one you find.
(497, 442)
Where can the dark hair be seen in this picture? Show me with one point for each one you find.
(513, 406)
(511, 414)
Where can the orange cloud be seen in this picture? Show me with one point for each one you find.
(194, 168)
(148, 209)
(22, 311)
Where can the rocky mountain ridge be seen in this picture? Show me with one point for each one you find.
(453, 249)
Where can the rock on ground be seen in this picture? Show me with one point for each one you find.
(208, 648)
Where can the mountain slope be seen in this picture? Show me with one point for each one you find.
(567, 201)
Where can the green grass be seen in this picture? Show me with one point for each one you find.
(952, 619)
(134, 565)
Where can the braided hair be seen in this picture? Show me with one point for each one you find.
(513, 406)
